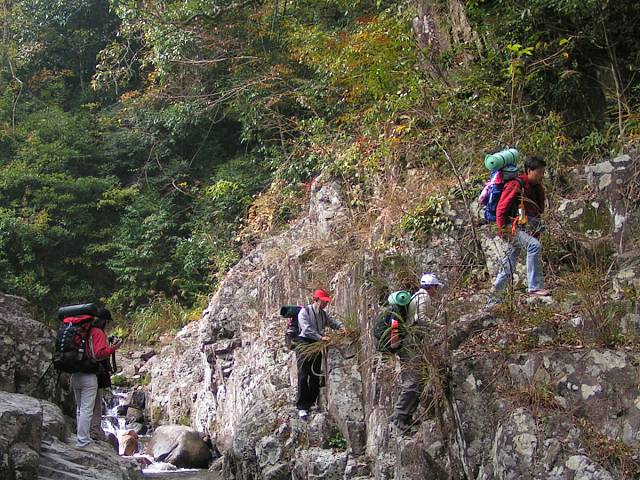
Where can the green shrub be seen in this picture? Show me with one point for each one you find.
(427, 218)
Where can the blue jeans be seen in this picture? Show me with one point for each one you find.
(522, 240)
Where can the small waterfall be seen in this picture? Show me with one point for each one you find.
(111, 421)
(114, 422)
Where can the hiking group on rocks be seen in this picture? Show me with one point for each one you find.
(412, 324)
(409, 324)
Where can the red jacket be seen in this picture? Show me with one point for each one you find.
(533, 201)
(98, 346)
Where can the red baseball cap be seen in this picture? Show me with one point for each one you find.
(321, 295)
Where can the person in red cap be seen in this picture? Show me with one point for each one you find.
(312, 322)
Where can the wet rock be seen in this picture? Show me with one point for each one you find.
(180, 446)
(139, 428)
(136, 399)
(128, 443)
(134, 415)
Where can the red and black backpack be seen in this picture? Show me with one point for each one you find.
(70, 354)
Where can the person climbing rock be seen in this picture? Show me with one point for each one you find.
(312, 322)
(85, 383)
(420, 325)
(518, 221)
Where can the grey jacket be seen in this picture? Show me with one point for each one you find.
(312, 322)
(420, 311)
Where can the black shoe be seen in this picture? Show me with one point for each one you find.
(401, 428)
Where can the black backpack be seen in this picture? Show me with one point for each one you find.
(382, 328)
(292, 333)
(70, 353)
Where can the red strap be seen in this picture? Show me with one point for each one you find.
(78, 319)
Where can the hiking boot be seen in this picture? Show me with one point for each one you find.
(540, 293)
(303, 414)
(493, 302)
(401, 429)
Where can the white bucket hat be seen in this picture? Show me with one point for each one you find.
(429, 279)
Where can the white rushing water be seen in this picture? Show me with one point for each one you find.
(115, 424)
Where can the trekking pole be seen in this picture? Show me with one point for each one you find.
(113, 362)
(40, 379)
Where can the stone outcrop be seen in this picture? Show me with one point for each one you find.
(22, 362)
(504, 403)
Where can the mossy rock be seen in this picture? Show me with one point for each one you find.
(588, 218)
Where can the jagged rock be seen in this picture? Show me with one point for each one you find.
(128, 443)
(20, 436)
(319, 431)
(54, 423)
(612, 178)
(344, 391)
(230, 373)
(136, 399)
(24, 358)
(357, 468)
(180, 446)
(319, 464)
(134, 415)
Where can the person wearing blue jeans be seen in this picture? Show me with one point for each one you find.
(531, 245)
(526, 189)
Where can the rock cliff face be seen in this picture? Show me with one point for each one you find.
(35, 440)
(524, 395)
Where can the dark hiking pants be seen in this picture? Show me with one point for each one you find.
(309, 376)
(409, 397)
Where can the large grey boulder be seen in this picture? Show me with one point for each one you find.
(26, 347)
(180, 446)
(20, 436)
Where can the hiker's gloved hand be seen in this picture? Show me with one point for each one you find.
(117, 343)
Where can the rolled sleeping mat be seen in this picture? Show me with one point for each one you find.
(499, 160)
(401, 298)
(290, 311)
(77, 310)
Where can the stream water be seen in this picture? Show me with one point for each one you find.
(116, 424)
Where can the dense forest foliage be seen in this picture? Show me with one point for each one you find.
(145, 145)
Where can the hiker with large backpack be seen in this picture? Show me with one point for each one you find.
(517, 217)
(313, 320)
(80, 345)
(421, 319)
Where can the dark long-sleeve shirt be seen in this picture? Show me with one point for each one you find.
(534, 200)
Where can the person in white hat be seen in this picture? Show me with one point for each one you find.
(420, 316)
